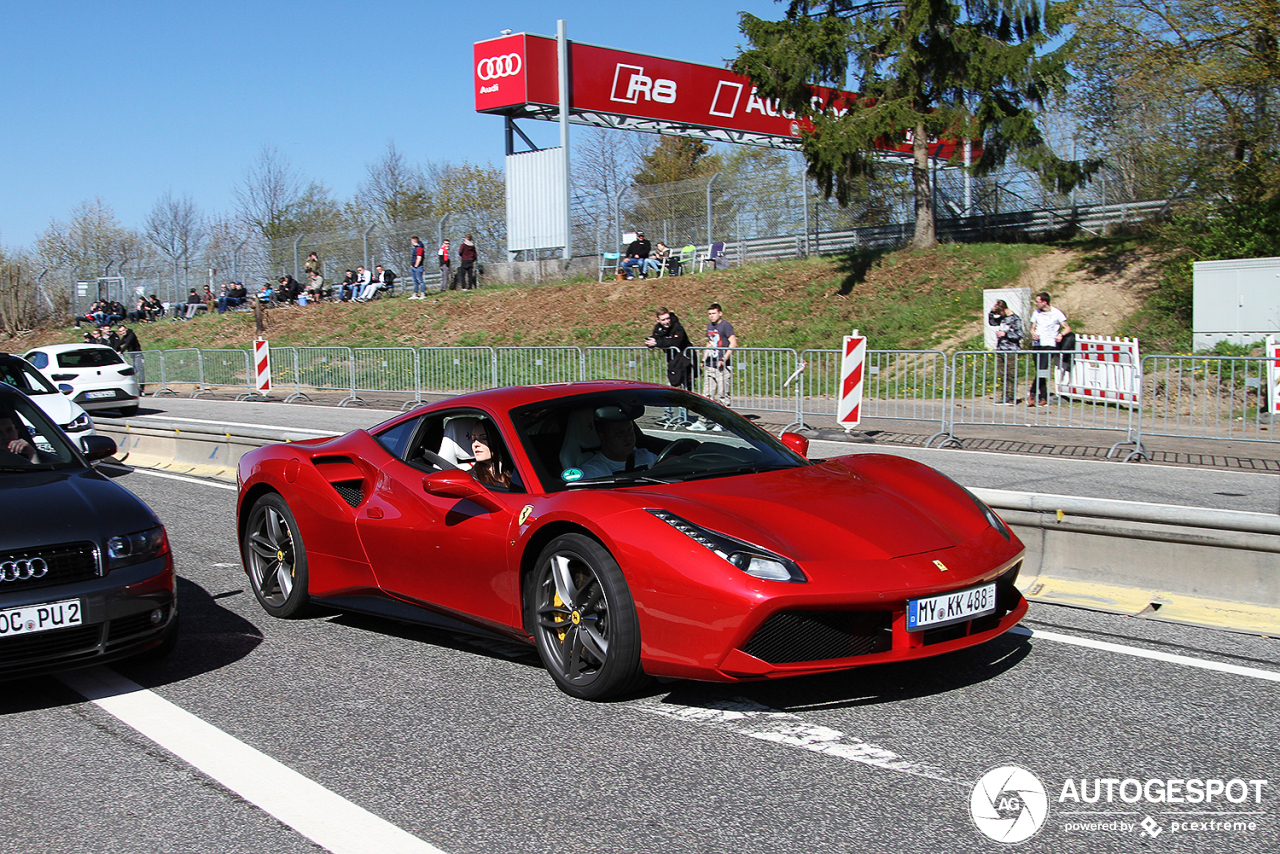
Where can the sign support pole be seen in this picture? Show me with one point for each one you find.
(562, 57)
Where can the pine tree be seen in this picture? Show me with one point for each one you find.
(977, 69)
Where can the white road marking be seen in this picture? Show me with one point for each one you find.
(327, 819)
(755, 720)
(166, 476)
(232, 424)
(1154, 655)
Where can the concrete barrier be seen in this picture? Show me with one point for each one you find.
(1218, 568)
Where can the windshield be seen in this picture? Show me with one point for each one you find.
(22, 376)
(29, 440)
(621, 438)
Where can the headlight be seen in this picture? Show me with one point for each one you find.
(753, 560)
(994, 520)
(135, 548)
(83, 422)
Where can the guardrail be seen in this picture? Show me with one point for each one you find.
(1199, 397)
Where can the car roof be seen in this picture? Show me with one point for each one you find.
(509, 397)
(62, 348)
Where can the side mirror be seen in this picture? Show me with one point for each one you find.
(97, 447)
(65, 388)
(797, 443)
(458, 484)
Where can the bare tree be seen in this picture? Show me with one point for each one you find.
(268, 194)
(177, 229)
(19, 294)
(91, 244)
(394, 190)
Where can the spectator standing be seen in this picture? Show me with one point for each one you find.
(446, 265)
(417, 258)
(669, 336)
(722, 340)
(1008, 342)
(1048, 326)
(637, 253)
(467, 256)
(312, 265)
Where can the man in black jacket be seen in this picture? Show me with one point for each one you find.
(669, 335)
(638, 250)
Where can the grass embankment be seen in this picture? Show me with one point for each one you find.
(900, 300)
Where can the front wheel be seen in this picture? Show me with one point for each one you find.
(584, 619)
(275, 558)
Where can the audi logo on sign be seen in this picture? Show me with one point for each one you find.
(493, 67)
(23, 570)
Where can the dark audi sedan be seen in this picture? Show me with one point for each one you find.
(86, 575)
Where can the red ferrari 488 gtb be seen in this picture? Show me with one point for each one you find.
(628, 530)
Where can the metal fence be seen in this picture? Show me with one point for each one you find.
(1201, 397)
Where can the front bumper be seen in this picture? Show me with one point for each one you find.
(119, 620)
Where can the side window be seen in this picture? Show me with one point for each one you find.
(397, 438)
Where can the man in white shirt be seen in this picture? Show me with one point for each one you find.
(1048, 326)
(363, 279)
(618, 451)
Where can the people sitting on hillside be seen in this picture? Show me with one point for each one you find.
(347, 289)
(660, 256)
(315, 288)
(233, 295)
(637, 251)
(155, 308)
(363, 279)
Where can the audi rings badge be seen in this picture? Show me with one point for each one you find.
(23, 570)
(494, 67)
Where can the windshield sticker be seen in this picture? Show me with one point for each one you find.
(570, 475)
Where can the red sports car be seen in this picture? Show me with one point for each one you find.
(628, 530)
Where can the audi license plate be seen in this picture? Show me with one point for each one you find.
(95, 395)
(948, 608)
(40, 618)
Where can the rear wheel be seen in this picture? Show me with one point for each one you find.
(584, 619)
(275, 558)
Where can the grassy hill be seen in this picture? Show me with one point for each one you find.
(900, 300)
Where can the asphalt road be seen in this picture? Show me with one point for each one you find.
(389, 735)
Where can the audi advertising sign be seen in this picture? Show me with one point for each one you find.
(516, 75)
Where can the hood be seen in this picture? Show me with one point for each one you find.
(61, 409)
(824, 512)
(48, 507)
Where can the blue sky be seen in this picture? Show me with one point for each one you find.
(126, 101)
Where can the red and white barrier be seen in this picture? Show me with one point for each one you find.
(849, 411)
(262, 366)
(1103, 369)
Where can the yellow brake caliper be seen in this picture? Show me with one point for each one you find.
(558, 602)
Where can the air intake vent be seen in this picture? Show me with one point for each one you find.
(351, 491)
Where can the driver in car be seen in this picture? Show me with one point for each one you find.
(11, 438)
(618, 451)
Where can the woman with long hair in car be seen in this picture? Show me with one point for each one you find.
(492, 467)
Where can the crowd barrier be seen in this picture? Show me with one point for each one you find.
(1201, 397)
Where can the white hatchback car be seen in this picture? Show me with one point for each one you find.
(97, 375)
(64, 412)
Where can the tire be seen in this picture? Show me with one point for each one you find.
(584, 619)
(275, 558)
(128, 411)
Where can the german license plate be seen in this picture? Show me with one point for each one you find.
(95, 395)
(947, 608)
(30, 619)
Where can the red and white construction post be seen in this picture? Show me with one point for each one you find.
(849, 411)
(262, 366)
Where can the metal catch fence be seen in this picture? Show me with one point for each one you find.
(1199, 397)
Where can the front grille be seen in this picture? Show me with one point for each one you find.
(22, 649)
(792, 636)
(350, 491)
(68, 563)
